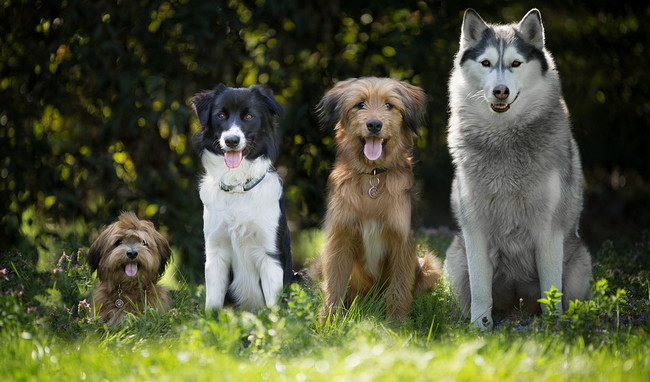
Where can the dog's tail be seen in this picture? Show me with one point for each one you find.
(428, 273)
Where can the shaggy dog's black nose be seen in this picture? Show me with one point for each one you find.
(232, 141)
(131, 254)
(374, 126)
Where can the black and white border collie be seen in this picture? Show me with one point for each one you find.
(247, 245)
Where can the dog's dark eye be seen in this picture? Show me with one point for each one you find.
(485, 63)
(248, 117)
(388, 106)
(361, 105)
(516, 63)
(221, 115)
(118, 243)
(144, 242)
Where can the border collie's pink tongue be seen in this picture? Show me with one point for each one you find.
(372, 148)
(233, 158)
(131, 269)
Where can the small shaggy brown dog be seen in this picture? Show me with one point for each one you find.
(369, 244)
(130, 257)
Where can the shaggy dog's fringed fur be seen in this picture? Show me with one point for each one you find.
(130, 257)
(369, 244)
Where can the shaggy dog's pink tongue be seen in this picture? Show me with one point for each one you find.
(372, 148)
(233, 158)
(131, 269)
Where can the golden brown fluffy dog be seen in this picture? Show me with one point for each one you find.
(130, 257)
(369, 243)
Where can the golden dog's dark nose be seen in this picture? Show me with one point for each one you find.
(374, 126)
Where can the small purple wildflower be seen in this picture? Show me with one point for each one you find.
(63, 258)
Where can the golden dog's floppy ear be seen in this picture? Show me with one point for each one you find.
(328, 109)
(414, 106)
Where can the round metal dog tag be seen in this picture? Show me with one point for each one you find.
(119, 303)
(373, 191)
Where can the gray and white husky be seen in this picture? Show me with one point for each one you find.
(517, 191)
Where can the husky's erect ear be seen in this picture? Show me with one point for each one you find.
(414, 106)
(532, 29)
(329, 108)
(472, 29)
(202, 103)
(269, 100)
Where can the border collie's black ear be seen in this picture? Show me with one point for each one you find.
(202, 103)
(415, 106)
(328, 109)
(269, 100)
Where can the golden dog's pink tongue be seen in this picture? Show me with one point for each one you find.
(372, 148)
(131, 269)
(233, 158)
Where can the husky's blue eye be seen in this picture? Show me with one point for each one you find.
(361, 105)
(516, 63)
(485, 63)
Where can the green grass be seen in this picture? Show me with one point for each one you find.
(47, 335)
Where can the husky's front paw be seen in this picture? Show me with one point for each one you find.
(483, 322)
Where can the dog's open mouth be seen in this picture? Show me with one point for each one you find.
(233, 158)
(131, 269)
(501, 107)
(373, 147)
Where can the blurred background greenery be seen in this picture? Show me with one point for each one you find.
(95, 119)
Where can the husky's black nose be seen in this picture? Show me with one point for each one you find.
(501, 92)
(374, 126)
(232, 141)
(131, 254)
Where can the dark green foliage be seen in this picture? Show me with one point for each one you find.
(94, 113)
